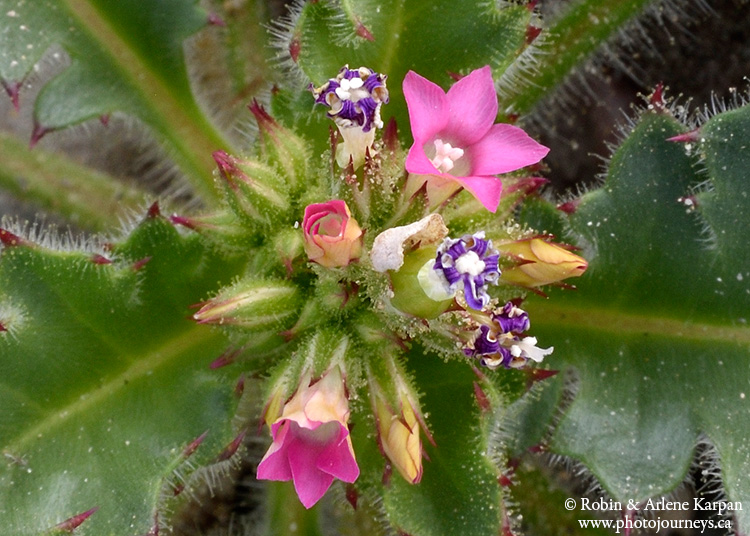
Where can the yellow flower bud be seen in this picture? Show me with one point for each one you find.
(399, 438)
(540, 263)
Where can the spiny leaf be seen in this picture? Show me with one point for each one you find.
(657, 330)
(126, 56)
(106, 380)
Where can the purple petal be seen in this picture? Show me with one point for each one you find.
(473, 107)
(473, 293)
(487, 190)
(428, 107)
(505, 148)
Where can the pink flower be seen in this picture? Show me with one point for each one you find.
(455, 138)
(311, 443)
(332, 237)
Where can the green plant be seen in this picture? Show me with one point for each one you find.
(138, 359)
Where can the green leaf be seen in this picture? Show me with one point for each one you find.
(657, 330)
(126, 56)
(433, 38)
(106, 380)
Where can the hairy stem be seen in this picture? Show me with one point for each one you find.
(571, 40)
(90, 199)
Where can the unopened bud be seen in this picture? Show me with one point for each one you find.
(282, 146)
(255, 191)
(399, 438)
(332, 237)
(258, 305)
(539, 262)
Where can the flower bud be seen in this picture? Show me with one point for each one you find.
(255, 191)
(282, 145)
(255, 305)
(399, 437)
(540, 262)
(332, 237)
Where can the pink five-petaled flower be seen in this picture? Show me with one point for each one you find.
(311, 443)
(456, 140)
(332, 237)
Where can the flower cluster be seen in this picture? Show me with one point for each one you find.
(373, 263)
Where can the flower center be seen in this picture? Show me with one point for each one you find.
(330, 225)
(352, 90)
(470, 263)
(445, 156)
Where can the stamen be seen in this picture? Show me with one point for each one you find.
(445, 156)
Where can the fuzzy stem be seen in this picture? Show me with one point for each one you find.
(574, 37)
(90, 199)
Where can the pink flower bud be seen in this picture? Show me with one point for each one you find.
(332, 237)
(311, 442)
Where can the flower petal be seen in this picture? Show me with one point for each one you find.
(275, 464)
(418, 163)
(505, 148)
(337, 459)
(310, 483)
(487, 190)
(473, 108)
(428, 107)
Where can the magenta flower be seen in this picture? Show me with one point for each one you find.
(311, 443)
(456, 140)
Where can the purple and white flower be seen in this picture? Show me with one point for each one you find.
(500, 343)
(354, 98)
(470, 263)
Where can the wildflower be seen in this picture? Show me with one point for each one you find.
(311, 442)
(469, 262)
(456, 143)
(332, 237)
(540, 262)
(499, 342)
(354, 97)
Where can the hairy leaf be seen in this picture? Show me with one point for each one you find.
(125, 56)
(657, 330)
(106, 381)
